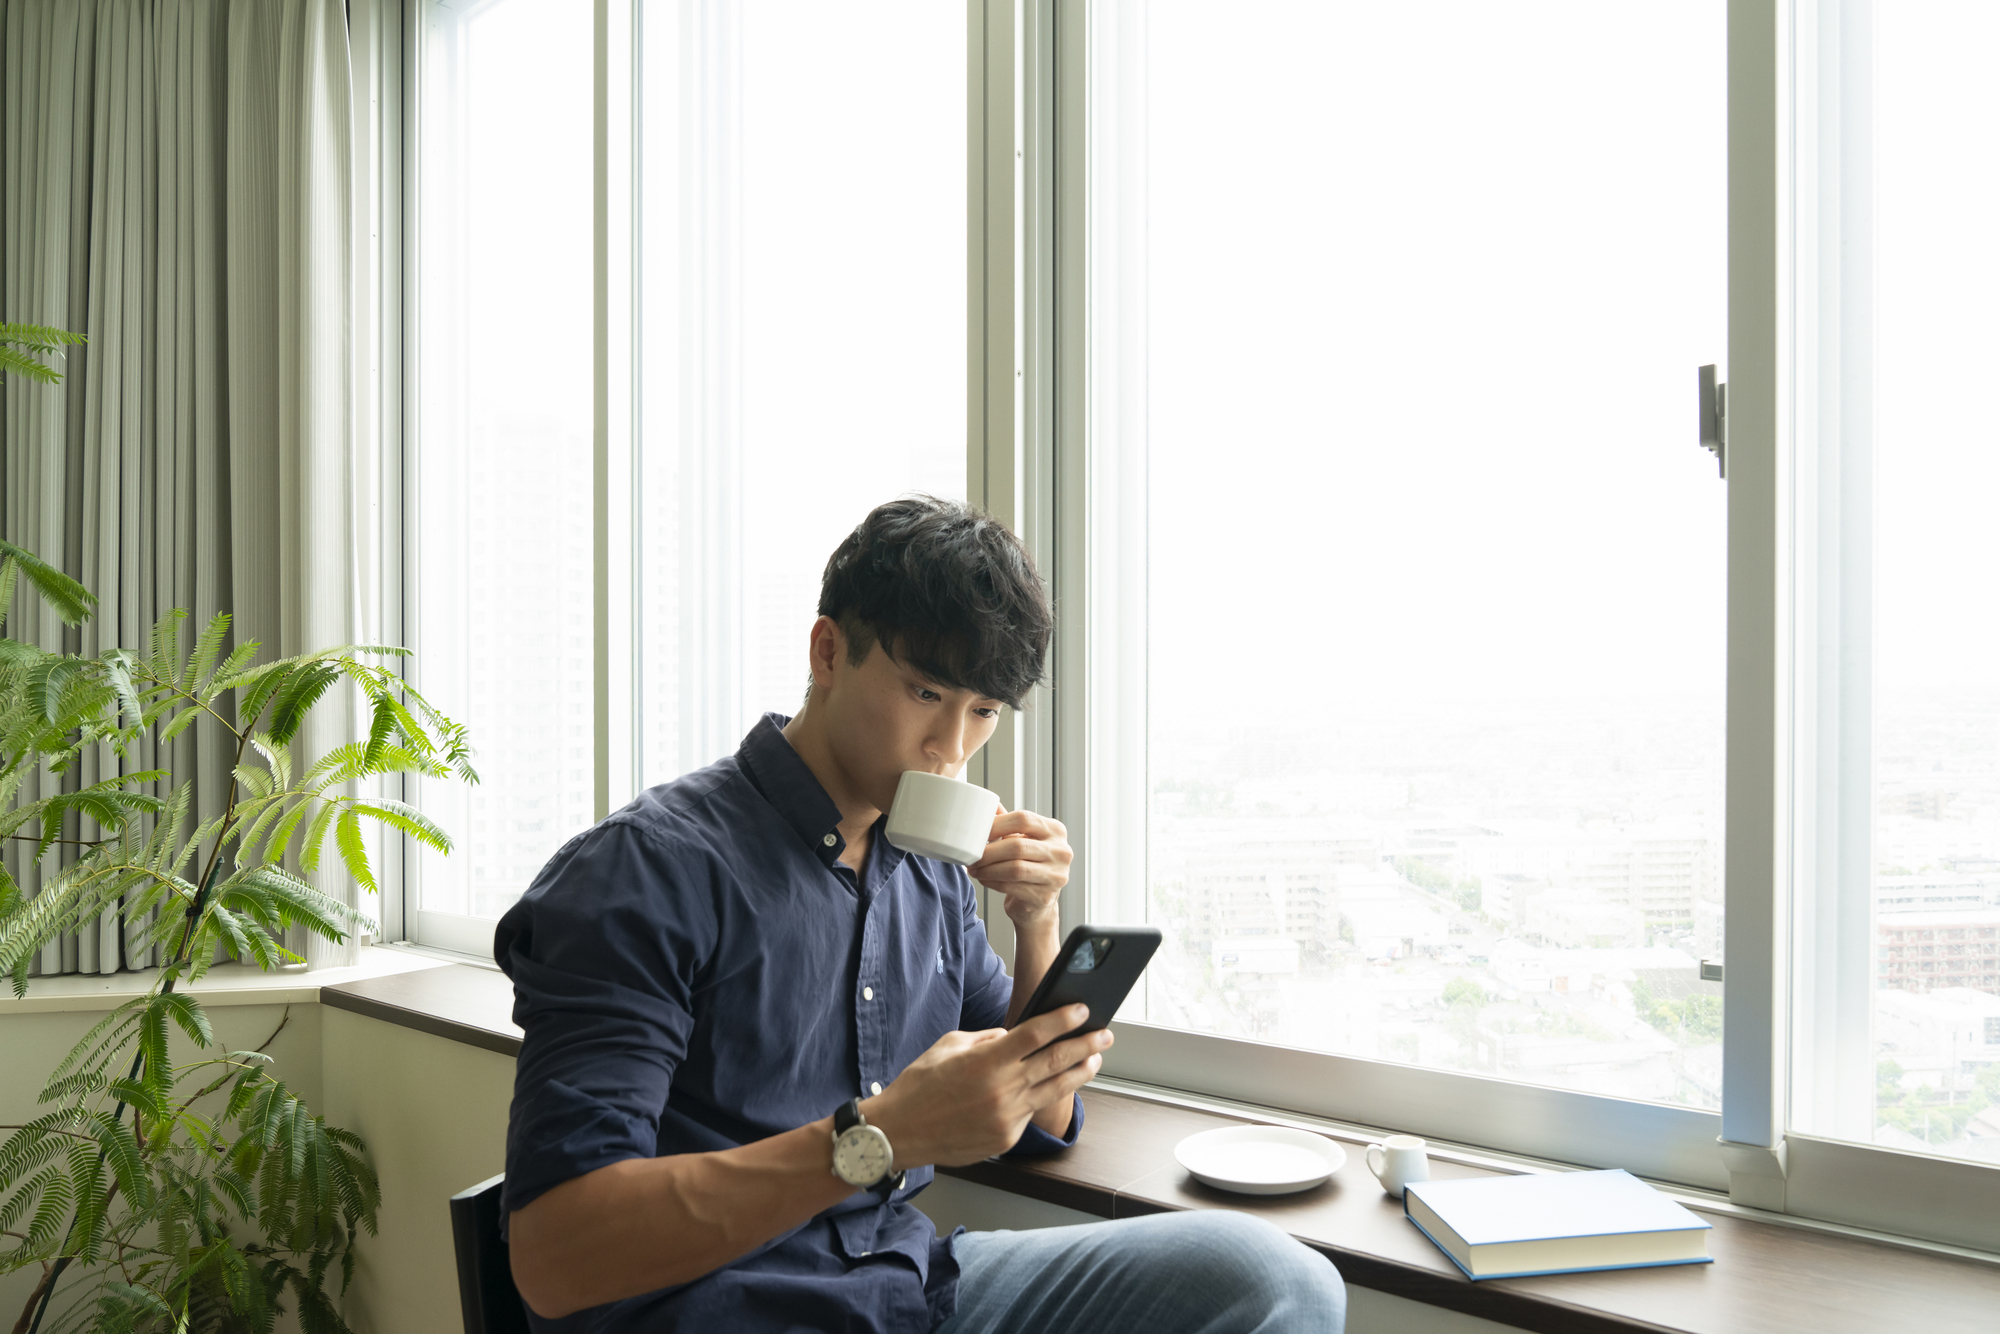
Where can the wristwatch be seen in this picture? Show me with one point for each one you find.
(861, 1153)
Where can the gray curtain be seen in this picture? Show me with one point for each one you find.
(174, 183)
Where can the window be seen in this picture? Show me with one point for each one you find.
(1425, 779)
(802, 331)
(1302, 291)
(1389, 348)
(785, 349)
(1899, 810)
(498, 596)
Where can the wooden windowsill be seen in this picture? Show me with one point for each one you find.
(455, 1000)
(1765, 1277)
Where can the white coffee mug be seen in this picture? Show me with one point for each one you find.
(1397, 1161)
(936, 816)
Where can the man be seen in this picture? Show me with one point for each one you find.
(733, 990)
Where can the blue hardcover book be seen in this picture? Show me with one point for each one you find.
(1510, 1227)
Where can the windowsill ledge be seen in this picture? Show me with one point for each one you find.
(225, 984)
(1776, 1275)
(1765, 1277)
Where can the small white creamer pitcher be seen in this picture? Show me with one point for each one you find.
(1397, 1161)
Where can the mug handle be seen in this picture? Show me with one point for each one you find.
(1376, 1156)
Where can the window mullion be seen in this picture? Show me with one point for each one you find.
(1046, 146)
(1756, 861)
(614, 272)
(992, 459)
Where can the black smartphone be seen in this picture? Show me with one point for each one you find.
(1097, 966)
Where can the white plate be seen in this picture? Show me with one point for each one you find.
(1260, 1160)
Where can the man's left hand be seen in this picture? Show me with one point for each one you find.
(1028, 861)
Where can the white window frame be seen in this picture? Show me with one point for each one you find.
(1066, 758)
(380, 32)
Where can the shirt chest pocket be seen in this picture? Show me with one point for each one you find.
(935, 997)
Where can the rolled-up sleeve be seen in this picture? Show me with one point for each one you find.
(603, 950)
(988, 990)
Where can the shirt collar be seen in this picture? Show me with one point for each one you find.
(777, 771)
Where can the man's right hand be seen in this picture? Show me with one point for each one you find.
(971, 1095)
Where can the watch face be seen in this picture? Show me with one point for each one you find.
(861, 1157)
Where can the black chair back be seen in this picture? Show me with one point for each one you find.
(486, 1292)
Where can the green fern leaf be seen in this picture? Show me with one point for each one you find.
(57, 1198)
(154, 1068)
(86, 1051)
(309, 851)
(34, 1144)
(408, 819)
(276, 899)
(49, 1194)
(256, 781)
(121, 1152)
(381, 727)
(39, 337)
(187, 1012)
(69, 599)
(302, 691)
(276, 754)
(207, 648)
(347, 833)
(119, 666)
(163, 663)
(123, 1305)
(267, 813)
(180, 722)
(239, 658)
(20, 363)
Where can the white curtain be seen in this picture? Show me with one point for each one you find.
(174, 183)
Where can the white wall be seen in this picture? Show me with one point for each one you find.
(434, 1115)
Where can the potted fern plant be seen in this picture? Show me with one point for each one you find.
(158, 1192)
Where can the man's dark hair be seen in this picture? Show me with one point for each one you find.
(944, 589)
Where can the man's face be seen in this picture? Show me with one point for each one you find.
(884, 717)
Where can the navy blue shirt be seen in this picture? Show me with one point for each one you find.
(699, 971)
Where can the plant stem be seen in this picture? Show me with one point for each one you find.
(47, 1289)
(42, 1293)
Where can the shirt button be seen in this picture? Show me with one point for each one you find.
(875, 1088)
(831, 839)
(867, 993)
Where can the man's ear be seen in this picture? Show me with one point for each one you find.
(828, 648)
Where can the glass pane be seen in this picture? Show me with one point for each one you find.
(1899, 1014)
(1393, 348)
(803, 317)
(500, 593)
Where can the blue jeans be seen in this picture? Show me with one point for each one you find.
(1200, 1272)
